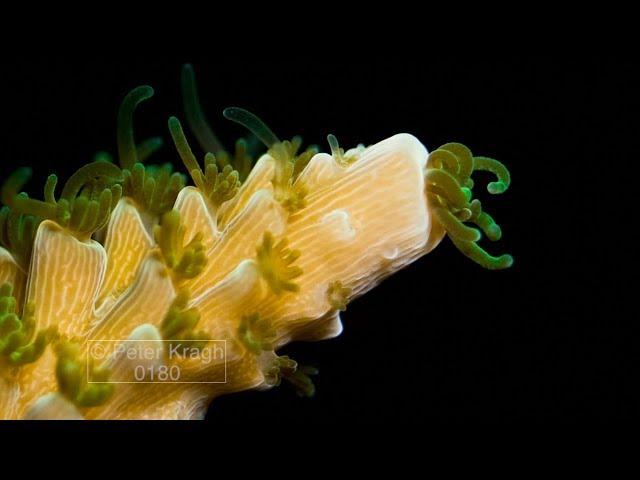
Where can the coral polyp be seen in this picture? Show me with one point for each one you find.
(130, 294)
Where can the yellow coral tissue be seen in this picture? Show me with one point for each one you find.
(137, 292)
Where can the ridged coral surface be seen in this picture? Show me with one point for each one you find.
(133, 260)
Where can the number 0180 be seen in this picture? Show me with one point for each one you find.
(154, 373)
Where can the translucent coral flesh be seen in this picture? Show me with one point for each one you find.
(244, 268)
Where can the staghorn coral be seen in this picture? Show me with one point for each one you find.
(191, 290)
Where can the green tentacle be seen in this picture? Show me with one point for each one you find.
(454, 227)
(153, 187)
(17, 233)
(449, 184)
(256, 334)
(74, 375)
(179, 325)
(498, 169)
(445, 185)
(297, 375)
(289, 163)
(217, 185)
(184, 260)
(88, 173)
(85, 204)
(466, 162)
(275, 262)
(148, 148)
(19, 342)
(127, 151)
(195, 116)
(252, 123)
(481, 257)
(12, 185)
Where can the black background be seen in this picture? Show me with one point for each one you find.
(442, 340)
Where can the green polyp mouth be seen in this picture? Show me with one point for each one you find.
(217, 182)
(184, 259)
(83, 383)
(20, 343)
(256, 334)
(276, 264)
(17, 234)
(178, 327)
(449, 191)
(84, 206)
(290, 159)
(298, 376)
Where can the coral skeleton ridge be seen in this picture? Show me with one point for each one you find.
(212, 278)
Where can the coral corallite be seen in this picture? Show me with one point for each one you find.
(130, 295)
